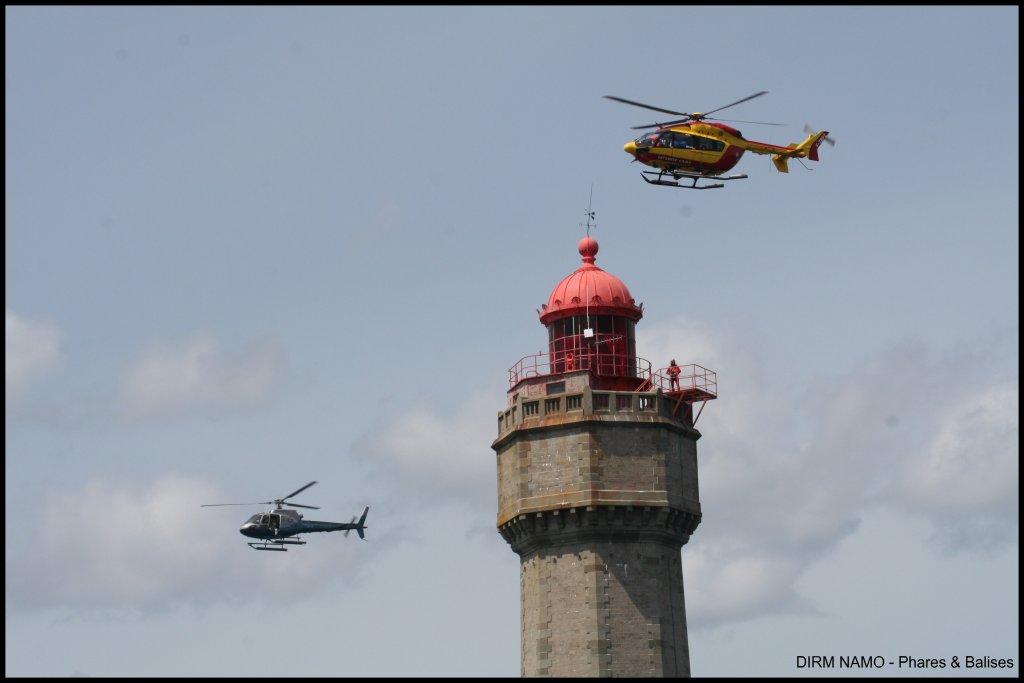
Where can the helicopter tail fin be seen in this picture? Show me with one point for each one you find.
(811, 144)
(362, 522)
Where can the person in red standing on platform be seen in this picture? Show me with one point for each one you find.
(673, 375)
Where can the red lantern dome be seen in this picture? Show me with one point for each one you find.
(590, 291)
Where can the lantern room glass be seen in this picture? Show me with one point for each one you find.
(610, 350)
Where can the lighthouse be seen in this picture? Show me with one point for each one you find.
(597, 487)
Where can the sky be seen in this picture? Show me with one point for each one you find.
(249, 248)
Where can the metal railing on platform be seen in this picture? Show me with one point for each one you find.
(601, 364)
(692, 378)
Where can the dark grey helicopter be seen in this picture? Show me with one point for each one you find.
(277, 527)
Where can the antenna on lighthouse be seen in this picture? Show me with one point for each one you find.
(589, 332)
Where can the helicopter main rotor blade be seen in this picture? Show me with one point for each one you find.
(759, 123)
(279, 502)
(763, 92)
(667, 123)
(697, 116)
(213, 505)
(647, 106)
(299, 491)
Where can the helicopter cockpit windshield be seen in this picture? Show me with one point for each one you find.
(647, 140)
(256, 519)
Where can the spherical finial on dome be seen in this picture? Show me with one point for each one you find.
(588, 249)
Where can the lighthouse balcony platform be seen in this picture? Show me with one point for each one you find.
(544, 391)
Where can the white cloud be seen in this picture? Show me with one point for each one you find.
(972, 462)
(967, 475)
(734, 586)
(31, 349)
(197, 377)
(446, 455)
(687, 341)
(113, 545)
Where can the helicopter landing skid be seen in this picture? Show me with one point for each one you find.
(660, 180)
(276, 544)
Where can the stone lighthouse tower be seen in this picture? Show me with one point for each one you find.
(597, 487)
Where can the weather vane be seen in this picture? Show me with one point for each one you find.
(590, 212)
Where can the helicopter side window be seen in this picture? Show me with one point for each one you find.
(682, 141)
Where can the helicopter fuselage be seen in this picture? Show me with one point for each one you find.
(284, 523)
(710, 149)
(273, 528)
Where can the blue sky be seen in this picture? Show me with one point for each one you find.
(247, 248)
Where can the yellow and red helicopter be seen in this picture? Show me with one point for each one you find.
(698, 147)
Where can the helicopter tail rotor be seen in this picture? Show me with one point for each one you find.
(354, 517)
(830, 141)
